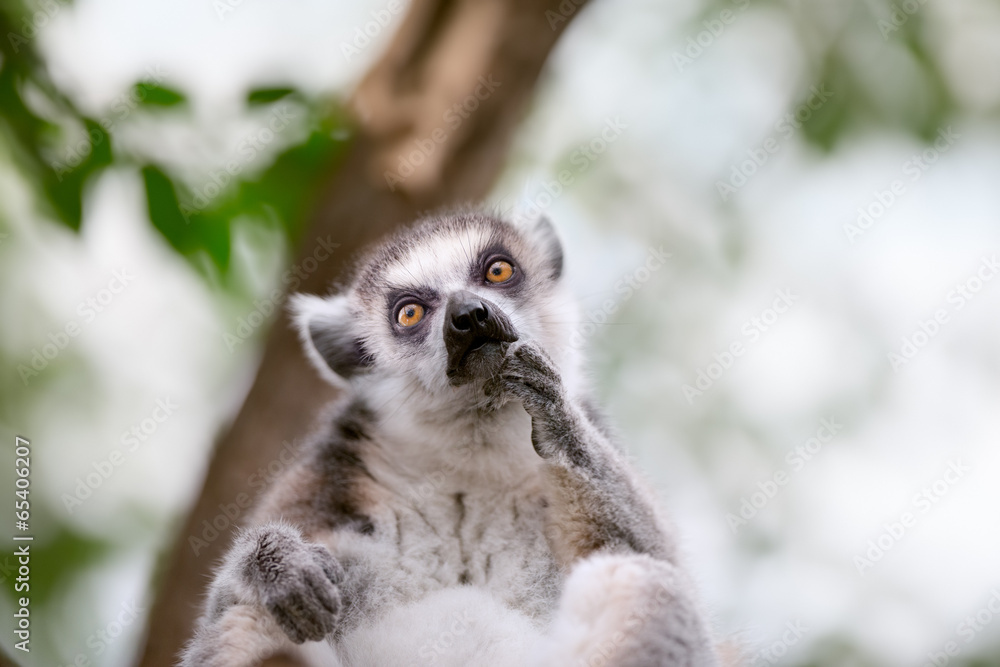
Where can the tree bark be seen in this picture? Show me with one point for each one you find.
(484, 56)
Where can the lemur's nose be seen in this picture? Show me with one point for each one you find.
(473, 324)
(467, 312)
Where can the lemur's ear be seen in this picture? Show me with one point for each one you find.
(544, 233)
(327, 331)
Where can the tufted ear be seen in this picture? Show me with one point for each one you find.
(327, 330)
(543, 232)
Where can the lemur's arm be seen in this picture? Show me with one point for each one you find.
(272, 566)
(597, 503)
(276, 586)
(625, 601)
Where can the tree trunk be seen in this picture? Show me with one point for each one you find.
(484, 56)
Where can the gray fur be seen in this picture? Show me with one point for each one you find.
(489, 521)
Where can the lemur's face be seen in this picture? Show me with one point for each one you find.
(441, 303)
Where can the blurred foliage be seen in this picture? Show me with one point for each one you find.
(53, 555)
(841, 56)
(39, 121)
(284, 192)
(61, 151)
(29, 132)
(923, 104)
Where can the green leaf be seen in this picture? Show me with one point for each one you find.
(59, 184)
(192, 232)
(266, 95)
(831, 120)
(63, 184)
(153, 94)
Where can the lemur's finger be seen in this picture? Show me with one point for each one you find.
(326, 594)
(333, 570)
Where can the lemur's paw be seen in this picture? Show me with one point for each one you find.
(530, 375)
(298, 585)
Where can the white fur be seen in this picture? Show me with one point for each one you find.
(456, 627)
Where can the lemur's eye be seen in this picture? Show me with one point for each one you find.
(500, 271)
(410, 314)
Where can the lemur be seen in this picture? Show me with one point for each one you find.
(465, 504)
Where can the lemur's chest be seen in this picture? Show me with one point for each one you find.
(462, 508)
(449, 531)
(492, 538)
(488, 538)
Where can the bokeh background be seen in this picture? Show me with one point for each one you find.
(751, 137)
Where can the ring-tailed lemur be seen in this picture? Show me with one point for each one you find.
(464, 506)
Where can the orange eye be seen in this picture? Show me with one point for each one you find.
(410, 314)
(499, 272)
